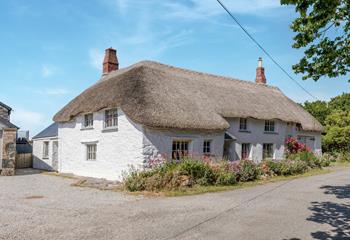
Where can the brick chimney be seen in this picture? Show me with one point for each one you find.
(110, 62)
(260, 73)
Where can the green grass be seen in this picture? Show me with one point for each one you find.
(340, 164)
(206, 189)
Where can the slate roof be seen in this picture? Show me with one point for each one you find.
(7, 123)
(50, 131)
(5, 106)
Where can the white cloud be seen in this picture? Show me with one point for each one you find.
(200, 9)
(27, 120)
(53, 91)
(47, 71)
(96, 58)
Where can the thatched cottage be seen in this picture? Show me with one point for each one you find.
(8, 133)
(148, 109)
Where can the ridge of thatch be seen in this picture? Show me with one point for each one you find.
(162, 96)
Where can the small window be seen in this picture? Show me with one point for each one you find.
(88, 120)
(269, 126)
(207, 147)
(267, 150)
(111, 118)
(46, 150)
(243, 124)
(180, 149)
(91, 151)
(245, 151)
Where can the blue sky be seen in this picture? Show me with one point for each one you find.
(52, 50)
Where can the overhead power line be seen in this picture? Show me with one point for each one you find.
(263, 49)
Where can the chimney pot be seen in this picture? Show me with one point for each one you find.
(110, 62)
(260, 73)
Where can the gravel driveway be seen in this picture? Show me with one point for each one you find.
(39, 206)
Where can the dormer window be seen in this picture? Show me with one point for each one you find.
(88, 120)
(111, 118)
(243, 124)
(269, 126)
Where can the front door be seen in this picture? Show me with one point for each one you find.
(227, 153)
(55, 155)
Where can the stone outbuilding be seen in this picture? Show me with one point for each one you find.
(8, 132)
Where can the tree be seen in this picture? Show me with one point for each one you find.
(318, 109)
(335, 116)
(337, 136)
(323, 29)
(341, 102)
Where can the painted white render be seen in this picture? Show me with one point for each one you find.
(160, 142)
(256, 136)
(133, 144)
(117, 148)
(39, 161)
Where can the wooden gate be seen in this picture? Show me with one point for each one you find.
(24, 160)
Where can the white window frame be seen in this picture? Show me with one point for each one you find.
(207, 147)
(272, 150)
(269, 126)
(114, 118)
(183, 150)
(46, 149)
(243, 124)
(91, 156)
(88, 123)
(249, 149)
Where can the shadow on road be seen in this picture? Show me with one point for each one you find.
(336, 215)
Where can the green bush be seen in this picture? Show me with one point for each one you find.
(248, 171)
(307, 157)
(342, 156)
(293, 167)
(135, 181)
(274, 167)
(198, 171)
(225, 177)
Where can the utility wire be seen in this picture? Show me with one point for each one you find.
(263, 49)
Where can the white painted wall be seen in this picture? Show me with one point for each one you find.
(257, 137)
(116, 149)
(38, 148)
(160, 142)
(132, 144)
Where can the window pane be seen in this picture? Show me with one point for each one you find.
(243, 124)
(91, 152)
(207, 147)
(179, 149)
(111, 118)
(268, 150)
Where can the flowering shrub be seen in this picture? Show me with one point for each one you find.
(173, 175)
(293, 146)
(156, 161)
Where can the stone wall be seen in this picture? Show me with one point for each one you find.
(8, 151)
(4, 113)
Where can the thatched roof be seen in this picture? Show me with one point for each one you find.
(162, 96)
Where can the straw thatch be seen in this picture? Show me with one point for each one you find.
(162, 96)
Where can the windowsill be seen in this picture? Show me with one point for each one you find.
(244, 131)
(274, 133)
(86, 128)
(110, 129)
